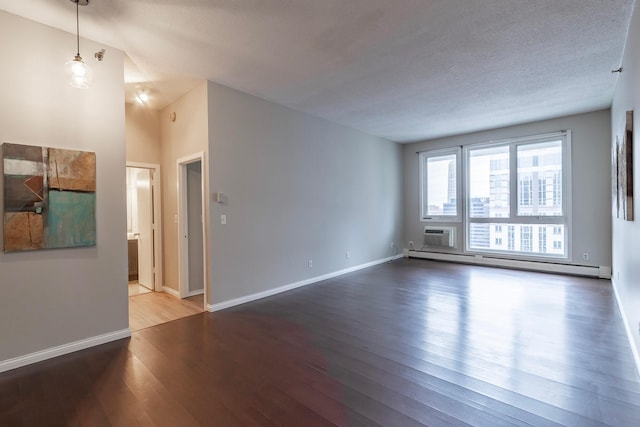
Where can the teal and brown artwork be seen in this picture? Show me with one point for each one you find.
(49, 197)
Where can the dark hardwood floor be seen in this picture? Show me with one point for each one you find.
(407, 343)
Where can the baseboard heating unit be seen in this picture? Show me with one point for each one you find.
(602, 272)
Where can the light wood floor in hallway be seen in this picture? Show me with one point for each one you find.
(155, 308)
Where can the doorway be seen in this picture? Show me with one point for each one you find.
(143, 230)
(151, 303)
(192, 230)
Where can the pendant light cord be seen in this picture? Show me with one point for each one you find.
(78, 25)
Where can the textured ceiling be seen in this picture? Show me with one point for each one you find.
(405, 70)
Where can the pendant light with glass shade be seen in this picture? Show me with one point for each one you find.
(79, 73)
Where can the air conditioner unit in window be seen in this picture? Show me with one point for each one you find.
(440, 237)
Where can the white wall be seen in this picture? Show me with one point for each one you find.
(55, 297)
(626, 234)
(142, 134)
(297, 188)
(590, 181)
(185, 136)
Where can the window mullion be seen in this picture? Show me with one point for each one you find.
(513, 182)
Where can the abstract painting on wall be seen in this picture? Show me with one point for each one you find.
(49, 197)
(623, 170)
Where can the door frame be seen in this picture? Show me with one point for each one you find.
(183, 247)
(157, 220)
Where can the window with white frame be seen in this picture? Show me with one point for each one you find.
(514, 193)
(522, 184)
(440, 185)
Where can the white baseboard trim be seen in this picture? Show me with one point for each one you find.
(171, 291)
(602, 272)
(39, 356)
(242, 300)
(634, 348)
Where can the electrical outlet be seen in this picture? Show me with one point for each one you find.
(585, 256)
(348, 255)
(223, 219)
(310, 263)
(410, 244)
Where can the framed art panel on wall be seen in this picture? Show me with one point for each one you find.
(49, 197)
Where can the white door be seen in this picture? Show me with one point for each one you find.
(145, 228)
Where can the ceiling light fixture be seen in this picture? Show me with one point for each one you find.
(80, 74)
(142, 95)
